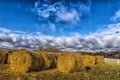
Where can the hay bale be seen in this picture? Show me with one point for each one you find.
(84, 62)
(90, 62)
(25, 61)
(46, 61)
(66, 62)
(53, 60)
(4, 56)
(99, 60)
(80, 62)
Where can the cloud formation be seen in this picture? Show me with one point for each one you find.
(116, 16)
(59, 15)
(62, 10)
(103, 40)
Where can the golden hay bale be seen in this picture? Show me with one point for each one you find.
(8, 59)
(66, 62)
(46, 61)
(84, 62)
(99, 60)
(4, 56)
(80, 62)
(25, 61)
(53, 60)
(90, 61)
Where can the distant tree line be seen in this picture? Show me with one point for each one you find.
(49, 49)
(112, 54)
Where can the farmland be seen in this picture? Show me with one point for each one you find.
(48, 71)
(111, 71)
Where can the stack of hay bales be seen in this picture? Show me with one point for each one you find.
(66, 62)
(25, 61)
(99, 60)
(4, 56)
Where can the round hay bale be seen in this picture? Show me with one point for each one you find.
(4, 56)
(89, 62)
(53, 60)
(10, 52)
(99, 60)
(80, 62)
(25, 61)
(84, 62)
(46, 61)
(66, 62)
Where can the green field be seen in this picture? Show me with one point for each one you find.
(110, 71)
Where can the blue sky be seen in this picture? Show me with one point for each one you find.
(18, 15)
(56, 18)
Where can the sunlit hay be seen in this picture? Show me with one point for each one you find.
(25, 61)
(99, 60)
(66, 62)
(53, 56)
(53, 60)
(46, 61)
(84, 62)
(4, 56)
(10, 52)
(89, 62)
(80, 62)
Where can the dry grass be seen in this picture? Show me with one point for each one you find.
(110, 71)
(67, 63)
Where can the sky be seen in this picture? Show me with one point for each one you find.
(72, 25)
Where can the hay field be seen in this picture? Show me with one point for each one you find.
(111, 71)
(65, 66)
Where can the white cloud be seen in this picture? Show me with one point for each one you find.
(62, 10)
(59, 13)
(71, 16)
(116, 16)
(104, 40)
